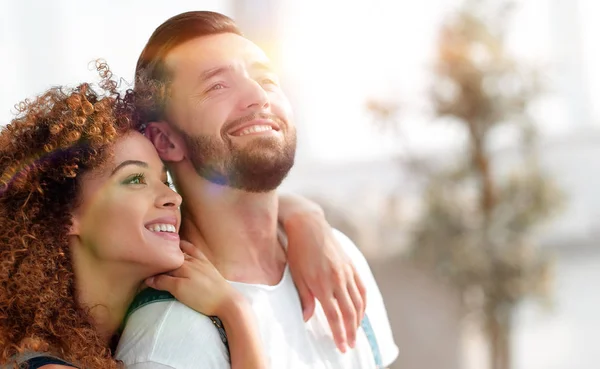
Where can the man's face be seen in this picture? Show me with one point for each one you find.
(227, 104)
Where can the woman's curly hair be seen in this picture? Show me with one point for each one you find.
(54, 139)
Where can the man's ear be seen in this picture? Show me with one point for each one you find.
(168, 143)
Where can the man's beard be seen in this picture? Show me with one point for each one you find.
(259, 166)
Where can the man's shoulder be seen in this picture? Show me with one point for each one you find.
(353, 252)
(376, 312)
(344, 240)
(170, 333)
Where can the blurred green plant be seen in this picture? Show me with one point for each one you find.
(477, 229)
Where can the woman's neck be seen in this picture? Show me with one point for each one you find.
(106, 290)
(107, 307)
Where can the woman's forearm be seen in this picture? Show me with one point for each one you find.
(245, 345)
(292, 207)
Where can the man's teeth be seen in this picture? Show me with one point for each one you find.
(162, 228)
(254, 129)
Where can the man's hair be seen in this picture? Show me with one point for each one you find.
(152, 76)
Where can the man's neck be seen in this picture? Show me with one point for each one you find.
(237, 231)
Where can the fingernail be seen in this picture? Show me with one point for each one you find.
(150, 280)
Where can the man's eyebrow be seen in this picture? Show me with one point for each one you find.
(210, 73)
(263, 66)
(138, 163)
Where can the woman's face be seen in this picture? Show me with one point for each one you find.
(127, 214)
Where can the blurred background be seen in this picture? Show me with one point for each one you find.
(456, 142)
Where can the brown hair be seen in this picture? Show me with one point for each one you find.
(152, 76)
(54, 139)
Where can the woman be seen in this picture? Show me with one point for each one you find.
(87, 215)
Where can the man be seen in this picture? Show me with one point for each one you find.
(220, 121)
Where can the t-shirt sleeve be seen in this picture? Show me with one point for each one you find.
(375, 309)
(148, 365)
(170, 335)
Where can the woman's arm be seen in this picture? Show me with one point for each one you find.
(321, 269)
(245, 346)
(200, 286)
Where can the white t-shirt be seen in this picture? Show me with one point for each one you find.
(168, 334)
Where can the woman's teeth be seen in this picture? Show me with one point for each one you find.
(162, 228)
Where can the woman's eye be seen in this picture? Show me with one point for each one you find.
(136, 179)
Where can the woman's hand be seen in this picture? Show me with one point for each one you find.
(321, 269)
(198, 284)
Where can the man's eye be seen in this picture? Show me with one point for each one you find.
(218, 86)
(268, 81)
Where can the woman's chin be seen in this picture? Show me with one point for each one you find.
(172, 262)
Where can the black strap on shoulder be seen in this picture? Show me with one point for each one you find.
(150, 295)
(40, 361)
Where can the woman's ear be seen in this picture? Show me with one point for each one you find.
(75, 227)
(167, 142)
